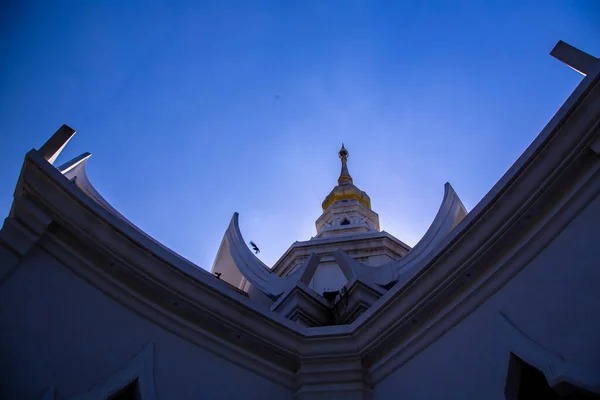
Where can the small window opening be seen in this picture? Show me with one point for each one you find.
(129, 392)
(345, 222)
(525, 382)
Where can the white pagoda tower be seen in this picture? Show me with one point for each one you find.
(338, 274)
(349, 224)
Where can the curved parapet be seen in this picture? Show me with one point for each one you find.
(75, 171)
(254, 271)
(450, 213)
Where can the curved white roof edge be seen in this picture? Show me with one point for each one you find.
(256, 275)
(76, 171)
(449, 214)
(256, 272)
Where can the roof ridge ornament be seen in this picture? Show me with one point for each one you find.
(578, 60)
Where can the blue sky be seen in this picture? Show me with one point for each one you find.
(195, 110)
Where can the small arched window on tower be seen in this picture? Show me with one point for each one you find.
(345, 222)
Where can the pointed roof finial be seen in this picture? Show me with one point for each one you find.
(343, 153)
(345, 190)
(345, 178)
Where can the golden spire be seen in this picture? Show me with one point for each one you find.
(345, 178)
(345, 190)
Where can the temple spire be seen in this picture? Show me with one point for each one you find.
(345, 189)
(345, 178)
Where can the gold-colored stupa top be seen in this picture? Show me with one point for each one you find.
(345, 188)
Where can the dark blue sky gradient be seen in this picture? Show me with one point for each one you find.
(194, 111)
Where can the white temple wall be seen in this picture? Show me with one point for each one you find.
(554, 301)
(328, 277)
(57, 329)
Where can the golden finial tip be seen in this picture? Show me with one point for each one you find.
(345, 189)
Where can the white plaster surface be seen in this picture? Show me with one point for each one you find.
(57, 329)
(329, 277)
(553, 300)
